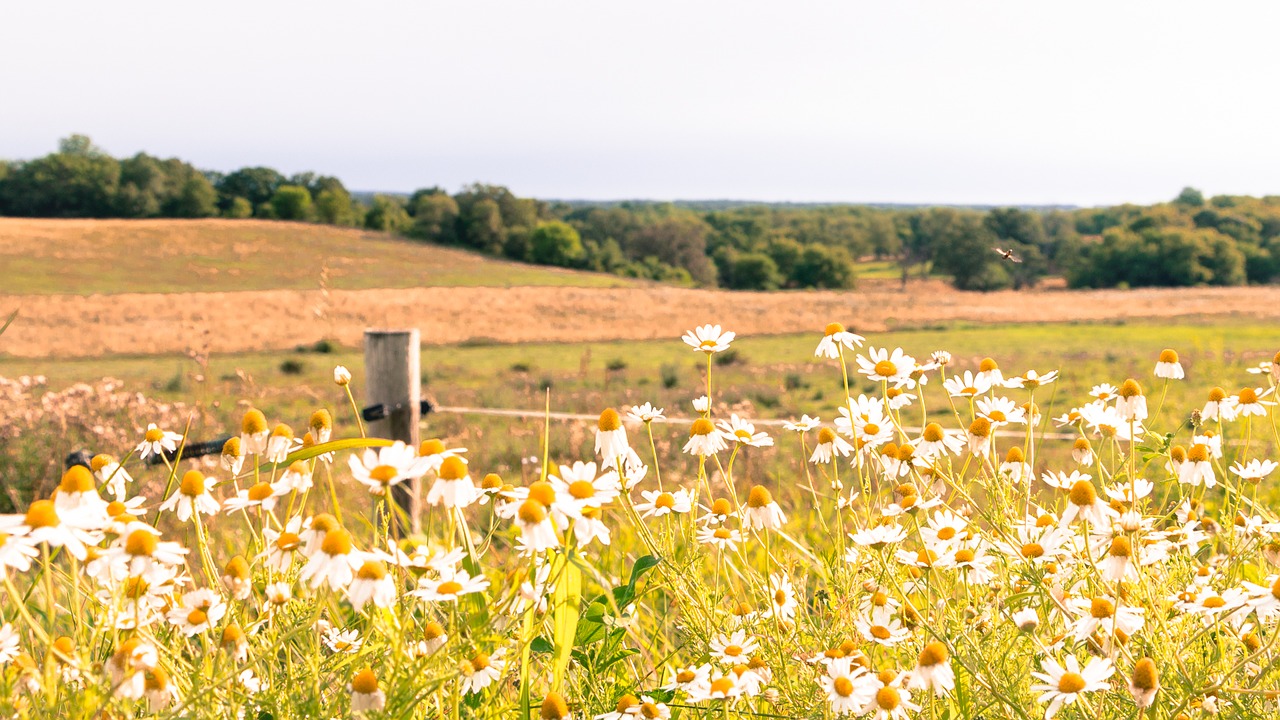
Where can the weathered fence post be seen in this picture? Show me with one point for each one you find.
(393, 377)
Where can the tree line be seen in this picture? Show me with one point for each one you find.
(1224, 240)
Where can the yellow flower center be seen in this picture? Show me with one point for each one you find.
(759, 497)
(1144, 674)
(933, 432)
(935, 653)
(1083, 494)
(987, 365)
(449, 587)
(197, 617)
(192, 483)
(665, 500)
(365, 682)
(946, 533)
(880, 632)
(542, 492)
(372, 570)
(888, 698)
(1102, 608)
(430, 447)
(833, 328)
(141, 543)
(1168, 356)
(609, 420)
(77, 479)
(884, 368)
(532, 512)
(843, 686)
(964, 555)
(701, 426)
(479, 662)
(324, 523)
(1032, 551)
(1071, 683)
(1130, 389)
(1198, 453)
(154, 434)
(722, 685)
(722, 533)
(336, 542)
(261, 491)
(627, 701)
(1120, 547)
(980, 427)
(40, 514)
(582, 489)
(1247, 396)
(452, 468)
(253, 422)
(384, 473)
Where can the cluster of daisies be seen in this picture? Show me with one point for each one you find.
(929, 564)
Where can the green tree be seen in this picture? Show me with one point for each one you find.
(239, 209)
(387, 214)
(196, 199)
(555, 243)
(964, 252)
(292, 202)
(255, 184)
(754, 271)
(333, 207)
(824, 267)
(1190, 197)
(435, 218)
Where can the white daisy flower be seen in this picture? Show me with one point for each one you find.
(611, 436)
(708, 339)
(803, 425)
(1064, 685)
(933, 670)
(762, 511)
(193, 496)
(881, 365)
(334, 562)
(372, 584)
(482, 670)
(845, 694)
(645, 413)
(967, 385)
(385, 468)
(704, 439)
(735, 429)
(1168, 367)
(658, 503)
(833, 338)
(158, 442)
(365, 693)
(449, 586)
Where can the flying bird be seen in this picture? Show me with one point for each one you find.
(1007, 255)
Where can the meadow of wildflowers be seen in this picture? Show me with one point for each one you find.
(927, 562)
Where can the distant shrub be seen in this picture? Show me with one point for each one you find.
(616, 364)
(521, 367)
(729, 357)
(670, 376)
(292, 367)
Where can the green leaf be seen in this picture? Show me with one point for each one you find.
(542, 645)
(643, 565)
(322, 448)
(568, 607)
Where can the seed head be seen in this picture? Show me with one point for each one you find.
(1145, 676)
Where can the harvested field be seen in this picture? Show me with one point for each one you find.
(77, 326)
(85, 257)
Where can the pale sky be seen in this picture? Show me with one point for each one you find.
(887, 101)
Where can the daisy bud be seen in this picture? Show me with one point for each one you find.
(341, 376)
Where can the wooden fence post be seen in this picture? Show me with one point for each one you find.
(393, 377)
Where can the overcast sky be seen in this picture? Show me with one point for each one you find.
(886, 101)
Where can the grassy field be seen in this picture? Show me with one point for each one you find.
(85, 257)
(769, 377)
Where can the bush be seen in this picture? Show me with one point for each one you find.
(292, 367)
